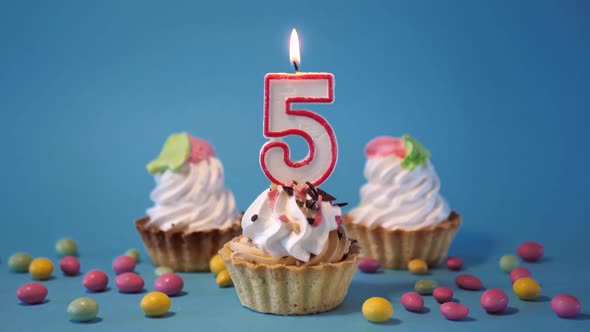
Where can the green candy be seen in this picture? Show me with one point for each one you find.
(66, 247)
(133, 253)
(174, 153)
(425, 286)
(20, 262)
(416, 154)
(83, 309)
(509, 262)
(162, 269)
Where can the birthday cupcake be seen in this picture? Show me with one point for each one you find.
(401, 215)
(193, 213)
(294, 257)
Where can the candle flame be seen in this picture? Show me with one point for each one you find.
(294, 55)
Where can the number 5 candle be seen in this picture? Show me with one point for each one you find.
(281, 91)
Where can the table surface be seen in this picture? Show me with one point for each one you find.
(204, 305)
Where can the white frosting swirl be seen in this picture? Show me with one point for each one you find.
(194, 198)
(397, 198)
(295, 238)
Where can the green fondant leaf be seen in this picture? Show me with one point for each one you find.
(174, 153)
(416, 154)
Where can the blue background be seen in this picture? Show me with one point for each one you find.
(499, 91)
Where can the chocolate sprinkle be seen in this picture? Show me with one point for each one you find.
(254, 217)
(288, 190)
(340, 204)
(310, 221)
(339, 235)
(312, 191)
(325, 195)
(300, 203)
(312, 204)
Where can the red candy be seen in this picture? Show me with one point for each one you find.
(530, 251)
(519, 272)
(443, 294)
(454, 263)
(468, 282)
(494, 300)
(32, 293)
(566, 306)
(70, 265)
(129, 282)
(95, 280)
(369, 265)
(412, 301)
(123, 264)
(169, 283)
(454, 311)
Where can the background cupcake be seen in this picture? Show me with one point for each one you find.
(193, 213)
(401, 215)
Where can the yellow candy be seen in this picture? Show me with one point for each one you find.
(417, 266)
(41, 268)
(216, 264)
(155, 304)
(526, 288)
(377, 309)
(223, 279)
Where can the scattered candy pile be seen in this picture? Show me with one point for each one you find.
(493, 300)
(218, 269)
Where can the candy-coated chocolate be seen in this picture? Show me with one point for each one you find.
(155, 304)
(133, 253)
(123, 264)
(442, 294)
(526, 288)
(95, 280)
(162, 269)
(20, 262)
(129, 282)
(216, 264)
(70, 265)
(32, 293)
(454, 263)
(566, 306)
(377, 309)
(530, 251)
(454, 311)
(66, 247)
(412, 301)
(519, 272)
(83, 309)
(425, 286)
(169, 283)
(494, 300)
(223, 279)
(508, 263)
(417, 266)
(41, 268)
(468, 282)
(369, 265)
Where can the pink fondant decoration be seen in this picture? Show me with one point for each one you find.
(284, 218)
(301, 191)
(385, 146)
(200, 150)
(272, 198)
(338, 220)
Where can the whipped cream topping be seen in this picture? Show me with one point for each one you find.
(194, 198)
(291, 221)
(398, 198)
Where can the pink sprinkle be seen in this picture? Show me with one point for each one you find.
(300, 191)
(200, 150)
(384, 146)
(284, 218)
(317, 217)
(338, 220)
(272, 196)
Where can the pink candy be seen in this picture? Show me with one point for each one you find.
(519, 272)
(494, 300)
(454, 311)
(454, 263)
(443, 294)
(169, 283)
(530, 251)
(123, 264)
(412, 301)
(385, 146)
(200, 150)
(95, 280)
(468, 282)
(566, 306)
(369, 265)
(70, 265)
(32, 293)
(129, 282)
